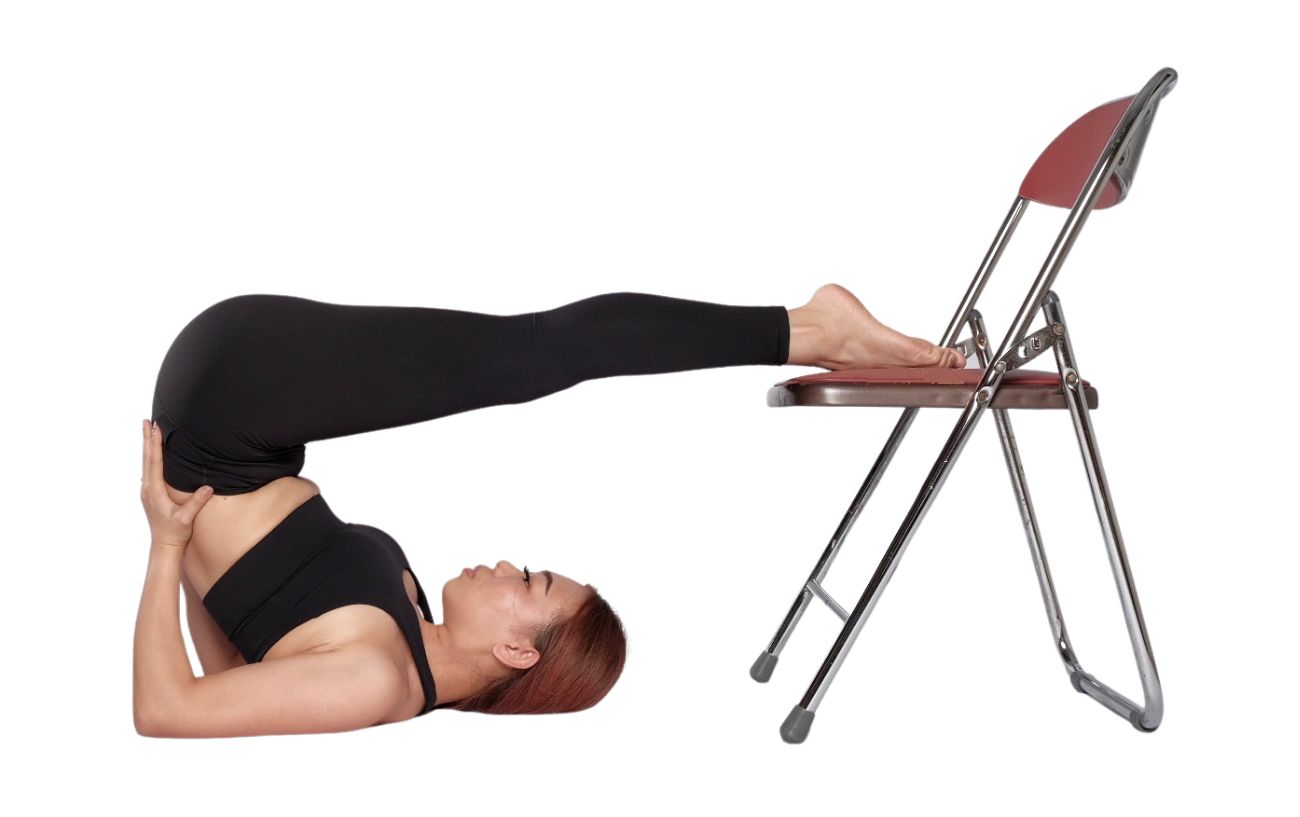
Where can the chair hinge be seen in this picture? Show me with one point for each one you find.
(966, 347)
(1030, 347)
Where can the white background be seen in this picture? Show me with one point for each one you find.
(513, 157)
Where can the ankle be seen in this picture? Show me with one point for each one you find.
(808, 337)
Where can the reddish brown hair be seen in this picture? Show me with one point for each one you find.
(582, 657)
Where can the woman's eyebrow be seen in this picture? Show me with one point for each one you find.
(549, 579)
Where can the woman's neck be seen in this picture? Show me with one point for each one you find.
(454, 674)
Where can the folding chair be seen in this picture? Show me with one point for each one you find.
(1089, 166)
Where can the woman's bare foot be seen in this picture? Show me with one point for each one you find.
(835, 331)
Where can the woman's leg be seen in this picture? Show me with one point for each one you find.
(254, 378)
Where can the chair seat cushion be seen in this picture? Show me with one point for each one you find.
(929, 387)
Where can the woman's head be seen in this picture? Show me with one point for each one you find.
(554, 645)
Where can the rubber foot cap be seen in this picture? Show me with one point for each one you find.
(796, 725)
(762, 669)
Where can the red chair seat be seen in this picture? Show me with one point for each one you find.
(922, 388)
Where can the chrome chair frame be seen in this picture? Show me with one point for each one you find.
(1117, 162)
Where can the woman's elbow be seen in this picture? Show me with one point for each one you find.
(145, 726)
(151, 724)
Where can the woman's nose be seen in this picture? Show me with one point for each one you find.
(503, 562)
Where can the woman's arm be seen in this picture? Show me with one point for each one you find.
(348, 688)
(216, 653)
(161, 666)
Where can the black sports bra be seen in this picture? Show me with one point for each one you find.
(309, 564)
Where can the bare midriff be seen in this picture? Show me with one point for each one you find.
(229, 526)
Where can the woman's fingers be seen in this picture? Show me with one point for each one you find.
(144, 464)
(152, 475)
(169, 523)
(195, 504)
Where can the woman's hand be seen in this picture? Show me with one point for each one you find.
(170, 524)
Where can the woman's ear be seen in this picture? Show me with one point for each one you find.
(516, 654)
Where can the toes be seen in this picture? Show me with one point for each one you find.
(950, 358)
(924, 353)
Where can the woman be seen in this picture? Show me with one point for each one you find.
(305, 623)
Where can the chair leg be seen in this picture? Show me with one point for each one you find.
(796, 725)
(761, 671)
(1145, 718)
(1020, 485)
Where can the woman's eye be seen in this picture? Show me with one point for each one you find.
(527, 578)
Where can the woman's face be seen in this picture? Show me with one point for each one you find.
(492, 609)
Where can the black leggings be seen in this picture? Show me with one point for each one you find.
(254, 378)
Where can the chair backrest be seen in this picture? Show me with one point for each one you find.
(1059, 175)
(1089, 166)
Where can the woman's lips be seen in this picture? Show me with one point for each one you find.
(470, 571)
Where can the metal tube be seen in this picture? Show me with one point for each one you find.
(820, 592)
(1020, 485)
(1148, 718)
(934, 481)
(837, 539)
(985, 271)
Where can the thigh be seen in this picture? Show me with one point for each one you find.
(270, 372)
